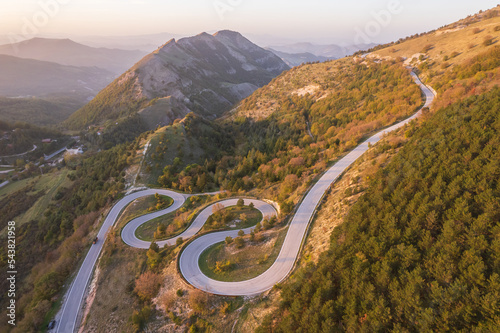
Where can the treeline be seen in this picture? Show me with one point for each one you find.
(49, 248)
(419, 251)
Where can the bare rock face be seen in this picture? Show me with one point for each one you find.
(205, 74)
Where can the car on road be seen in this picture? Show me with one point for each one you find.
(51, 325)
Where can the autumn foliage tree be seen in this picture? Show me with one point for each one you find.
(147, 285)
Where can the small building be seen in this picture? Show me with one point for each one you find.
(46, 140)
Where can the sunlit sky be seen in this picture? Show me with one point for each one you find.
(312, 20)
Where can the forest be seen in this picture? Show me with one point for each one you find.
(419, 251)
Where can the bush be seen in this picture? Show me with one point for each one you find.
(177, 320)
(229, 240)
(240, 203)
(139, 318)
(223, 266)
(427, 48)
(240, 243)
(198, 301)
(148, 285)
(488, 40)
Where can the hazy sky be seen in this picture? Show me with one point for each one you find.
(312, 20)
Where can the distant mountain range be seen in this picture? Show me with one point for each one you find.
(331, 51)
(206, 74)
(67, 52)
(296, 59)
(50, 79)
(28, 77)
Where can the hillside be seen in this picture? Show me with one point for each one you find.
(39, 111)
(458, 60)
(27, 77)
(419, 251)
(278, 139)
(206, 74)
(67, 52)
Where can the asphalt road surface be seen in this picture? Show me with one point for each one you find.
(70, 308)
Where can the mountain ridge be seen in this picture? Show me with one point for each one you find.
(326, 50)
(70, 53)
(206, 74)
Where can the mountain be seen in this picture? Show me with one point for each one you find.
(328, 51)
(67, 52)
(206, 74)
(295, 59)
(27, 77)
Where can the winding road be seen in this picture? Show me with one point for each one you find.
(188, 261)
(285, 262)
(67, 317)
(129, 237)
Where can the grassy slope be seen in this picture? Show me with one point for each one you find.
(251, 261)
(49, 183)
(13, 187)
(447, 40)
(451, 46)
